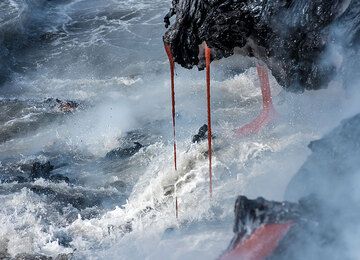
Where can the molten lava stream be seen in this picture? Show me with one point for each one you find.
(260, 244)
(268, 110)
(172, 76)
(208, 60)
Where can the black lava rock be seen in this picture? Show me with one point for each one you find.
(78, 200)
(251, 214)
(59, 178)
(201, 135)
(62, 105)
(291, 37)
(18, 179)
(41, 170)
(124, 153)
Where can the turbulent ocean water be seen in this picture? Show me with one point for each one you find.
(107, 56)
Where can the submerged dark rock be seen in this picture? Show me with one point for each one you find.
(41, 170)
(67, 106)
(62, 105)
(291, 37)
(119, 185)
(124, 153)
(27, 173)
(59, 178)
(18, 179)
(77, 199)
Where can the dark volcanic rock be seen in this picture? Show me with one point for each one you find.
(291, 37)
(311, 232)
(76, 199)
(41, 170)
(261, 211)
(327, 215)
(59, 178)
(124, 152)
(18, 179)
(65, 106)
(201, 135)
(251, 214)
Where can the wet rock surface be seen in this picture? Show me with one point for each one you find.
(33, 171)
(310, 226)
(24, 117)
(125, 152)
(251, 214)
(201, 135)
(65, 106)
(291, 37)
(326, 212)
(40, 170)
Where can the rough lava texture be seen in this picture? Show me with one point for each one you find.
(251, 214)
(291, 37)
(326, 217)
(201, 135)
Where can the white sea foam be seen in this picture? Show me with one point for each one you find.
(257, 165)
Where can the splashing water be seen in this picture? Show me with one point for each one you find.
(107, 56)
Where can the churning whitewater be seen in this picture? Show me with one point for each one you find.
(86, 141)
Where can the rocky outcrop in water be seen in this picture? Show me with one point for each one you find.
(43, 170)
(291, 37)
(283, 230)
(31, 172)
(125, 152)
(201, 135)
(65, 106)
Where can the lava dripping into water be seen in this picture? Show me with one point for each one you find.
(172, 76)
(253, 127)
(208, 95)
(268, 110)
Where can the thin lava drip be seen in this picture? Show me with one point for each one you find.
(172, 76)
(253, 127)
(208, 60)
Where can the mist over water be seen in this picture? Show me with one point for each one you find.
(108, 57)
